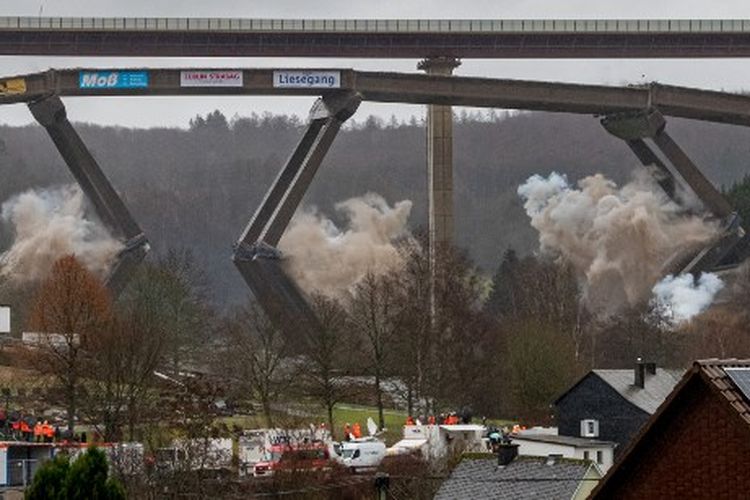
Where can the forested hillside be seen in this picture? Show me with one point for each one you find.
(197, 187)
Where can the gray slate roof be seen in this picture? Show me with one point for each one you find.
(656, 387)
(525, 477)
(564, 440)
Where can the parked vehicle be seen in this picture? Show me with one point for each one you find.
(362, 454)
(287, 457)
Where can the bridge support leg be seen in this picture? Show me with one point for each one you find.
(255, 253)
(440, 159)
(50, 113)
(439, 170)
(733, 244)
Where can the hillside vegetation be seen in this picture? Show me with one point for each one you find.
(198, 187)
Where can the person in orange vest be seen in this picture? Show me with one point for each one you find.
(409, 420)
(38, 431)
(48, 432)
(347, 432)
(357, 430)
(26, 431)
(16, 428)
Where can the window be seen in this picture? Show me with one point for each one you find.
(599, 457)
(590, 428)
(586, 455)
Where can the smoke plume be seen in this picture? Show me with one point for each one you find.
(49, 224)
(682, 297)
(617, 238)
(329, 260)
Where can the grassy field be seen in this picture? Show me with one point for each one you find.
(394, 419)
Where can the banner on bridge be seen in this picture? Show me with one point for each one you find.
(113, 79)
(211, 78)
(307, 79)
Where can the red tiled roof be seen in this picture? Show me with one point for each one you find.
(713, 371)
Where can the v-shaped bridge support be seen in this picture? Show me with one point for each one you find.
(255, 253)
(674, 168)
(50, 113)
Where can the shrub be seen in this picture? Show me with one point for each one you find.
(85, 478)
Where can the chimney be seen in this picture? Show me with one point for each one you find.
(651, 368)
(506, 452)
(640, 373)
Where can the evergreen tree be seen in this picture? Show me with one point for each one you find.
(49, 480)
(86, 478)
(739, 197)
(502, 300)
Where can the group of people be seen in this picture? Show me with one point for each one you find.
(352, 431)
(34, 430)
(442, 419)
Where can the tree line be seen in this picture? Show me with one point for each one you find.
(197, 187)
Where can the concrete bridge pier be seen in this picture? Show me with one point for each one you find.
(439, 160)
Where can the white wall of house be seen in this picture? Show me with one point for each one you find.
(602, 456)
(590, 480)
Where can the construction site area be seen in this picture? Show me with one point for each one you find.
(535, 303)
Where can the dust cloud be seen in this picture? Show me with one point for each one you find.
(617, 238)
(49, 224)
(683, 297)
(326, 259)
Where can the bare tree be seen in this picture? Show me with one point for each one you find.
(255, 351)
(121, 368)
(324, 350)
(190, 409)
(71, 308)
(172, 293)
(412, 350)
(374, 309)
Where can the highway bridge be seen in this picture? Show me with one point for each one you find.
(634, 114)
(388, 87)
(440, 43)
(374, 38)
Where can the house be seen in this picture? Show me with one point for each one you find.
(612, 405)
(544, 445)
(697, 445)
(518, 477)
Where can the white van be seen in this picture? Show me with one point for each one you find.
(361, 453)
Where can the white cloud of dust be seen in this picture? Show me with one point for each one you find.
(617, 238)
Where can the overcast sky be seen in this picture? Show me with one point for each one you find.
(728, 74)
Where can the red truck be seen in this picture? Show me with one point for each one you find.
(287, 457)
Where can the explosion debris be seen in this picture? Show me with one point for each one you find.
(617, 238)
(49, 224)
(683, 297)
(329, 259)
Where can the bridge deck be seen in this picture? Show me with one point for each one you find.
(385, 87)
(376, 25)
(384, 38)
